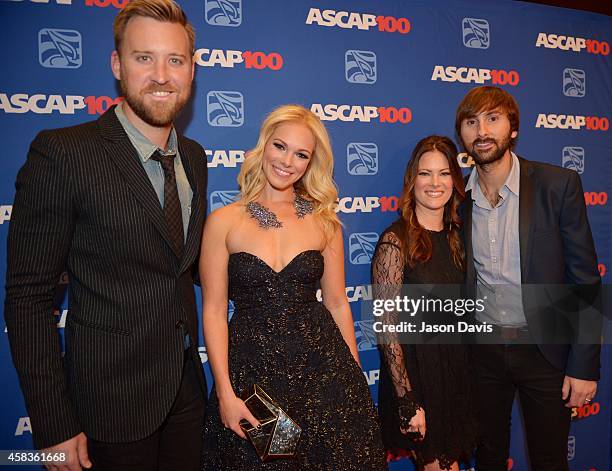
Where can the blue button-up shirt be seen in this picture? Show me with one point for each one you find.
(497, 253)
(145, 150)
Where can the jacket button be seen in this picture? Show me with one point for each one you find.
(179, 324)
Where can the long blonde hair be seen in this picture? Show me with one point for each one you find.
(317, 183)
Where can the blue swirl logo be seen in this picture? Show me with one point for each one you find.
(574, 83)
(218, 199)
(361, 247)
(360, 66)
(365, 335)
(223, 12)
(476, 33)
(225, 108)
(60, 48)
(573, 158)
(362, 158)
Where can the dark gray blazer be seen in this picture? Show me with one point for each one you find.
(84, 203)
(557, 248)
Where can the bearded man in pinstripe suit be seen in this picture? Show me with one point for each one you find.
(120, 202)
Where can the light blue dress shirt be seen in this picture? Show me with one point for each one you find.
(497, 252)
(145, 150)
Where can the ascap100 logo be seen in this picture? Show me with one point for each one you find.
(221, 198)
(361, 247)
(465, 160)
(366, 204)
(574, 83)
(60, 48)
(476, 33)
(353, 293)
(223, 12)
(5, 213)
(225, 108)
(224, 158)
(573, 158)
(363, 21)
(362, 158)
(372, 376)
(23, 426)
(566, 121)
(463, 74)
(360, 66)
(57, 2)
(364, 114)
(571, 43)
(61, 316)
(47, 104)
(595, 198)
(229, 59)
(203, 354)
(587, 410)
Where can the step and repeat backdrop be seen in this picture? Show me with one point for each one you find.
(381, 75)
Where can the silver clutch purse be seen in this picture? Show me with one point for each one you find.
(278, 435)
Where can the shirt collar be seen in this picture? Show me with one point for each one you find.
(144, 147)
(512, 182)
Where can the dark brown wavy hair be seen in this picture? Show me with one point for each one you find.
(484, 99)
(415, 240)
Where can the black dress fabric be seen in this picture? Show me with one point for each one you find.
(283, 339)
(437, 376)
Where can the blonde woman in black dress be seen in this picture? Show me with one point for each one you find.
(267, 252)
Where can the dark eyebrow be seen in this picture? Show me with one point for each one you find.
(285, 144)
(429, 170)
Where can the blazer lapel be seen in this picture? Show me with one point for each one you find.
(122, 153)
(192, 242)
(525, 215)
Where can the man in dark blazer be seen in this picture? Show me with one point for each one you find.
(120, 203)
(525, 225)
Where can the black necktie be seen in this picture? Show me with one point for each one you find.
(172, 203)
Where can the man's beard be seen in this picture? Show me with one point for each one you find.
(494, 154)
(155, 114)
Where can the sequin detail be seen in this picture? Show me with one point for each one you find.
(264, 217)
(267, 219)
(282, 338)
(302, 206)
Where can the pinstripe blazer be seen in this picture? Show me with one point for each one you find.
(84, 202)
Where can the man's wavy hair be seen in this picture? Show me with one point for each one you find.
(161, 10)
(487, 98)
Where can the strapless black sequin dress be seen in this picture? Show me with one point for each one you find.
(283, 339)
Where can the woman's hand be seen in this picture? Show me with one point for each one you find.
(417, 424)
(232, 410)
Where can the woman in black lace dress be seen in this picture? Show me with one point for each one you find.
(267, 252)
(425, 391)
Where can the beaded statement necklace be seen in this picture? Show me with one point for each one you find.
(267, 219)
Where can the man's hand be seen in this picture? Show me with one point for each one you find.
(76, 451)
(582, 391)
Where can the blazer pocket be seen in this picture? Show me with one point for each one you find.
(96, 326)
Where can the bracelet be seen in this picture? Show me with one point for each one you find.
(407, 408)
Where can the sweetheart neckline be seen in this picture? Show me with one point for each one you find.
(272, 269)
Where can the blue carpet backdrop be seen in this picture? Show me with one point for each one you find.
(381, 75)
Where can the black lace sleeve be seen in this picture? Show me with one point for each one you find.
(387, 277)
